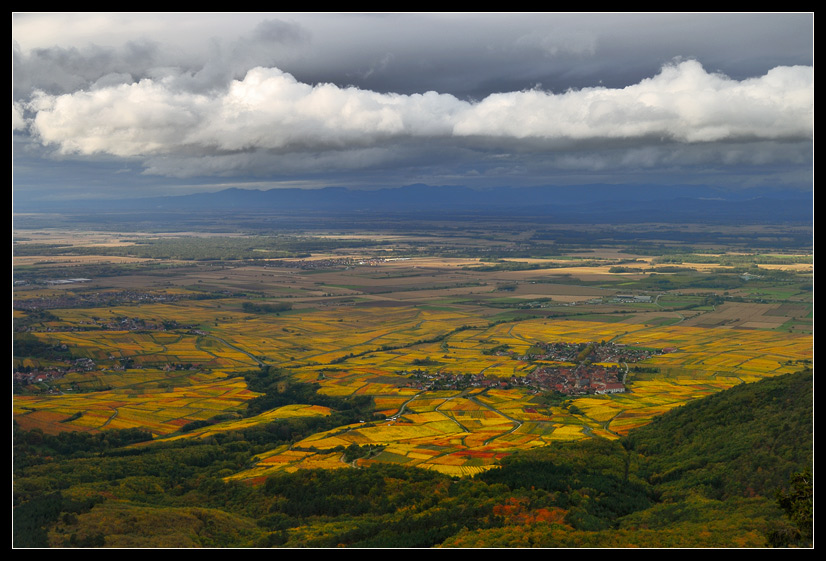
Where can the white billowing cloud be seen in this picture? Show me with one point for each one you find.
(683, 103)
(269, 110)
(126, 120)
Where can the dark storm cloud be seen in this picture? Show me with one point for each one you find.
(281, 32)
(59, 70)
(461, 54)
(474, 55)
(211, 64)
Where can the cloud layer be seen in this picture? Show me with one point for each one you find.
(270, 110)
(429, 98)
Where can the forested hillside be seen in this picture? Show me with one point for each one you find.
(703, 475)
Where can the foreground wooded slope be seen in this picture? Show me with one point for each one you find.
(702, 475)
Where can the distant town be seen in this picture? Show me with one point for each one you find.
(585, 371)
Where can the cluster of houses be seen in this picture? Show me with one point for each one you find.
(581, 380)
(633, 298)
(586, 371)
(588, 352)
(329, 263)
(113, 324)
(25, 376)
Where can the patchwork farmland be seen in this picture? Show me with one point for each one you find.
(167, 352)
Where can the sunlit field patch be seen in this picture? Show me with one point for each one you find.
(568, 432)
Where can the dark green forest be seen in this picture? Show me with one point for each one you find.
(730, 470)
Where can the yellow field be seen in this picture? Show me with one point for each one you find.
(161, 411)
(450, 432)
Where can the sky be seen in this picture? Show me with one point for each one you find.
(123, 105)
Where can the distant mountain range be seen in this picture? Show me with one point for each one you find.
(583, 203)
